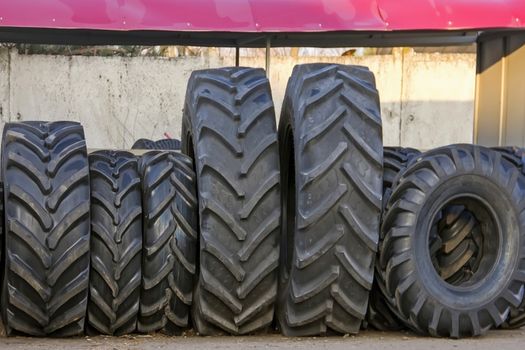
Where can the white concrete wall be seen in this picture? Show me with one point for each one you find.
(426, 99)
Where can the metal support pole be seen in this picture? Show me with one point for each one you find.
(268, 53)
(237, 56)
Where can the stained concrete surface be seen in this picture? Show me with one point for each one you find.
(426, 98)
(370, 340)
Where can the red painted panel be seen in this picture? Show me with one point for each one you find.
(263, 15)
(317, 15)
(452, 14)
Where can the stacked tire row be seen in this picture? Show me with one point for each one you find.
(312, 227)
(103, 243)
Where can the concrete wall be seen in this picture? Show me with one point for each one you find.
(426, 99)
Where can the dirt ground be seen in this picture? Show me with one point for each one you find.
(495, 340)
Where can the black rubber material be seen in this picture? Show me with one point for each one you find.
(116, 242)
(169, 241)
(229, 129)
(168, 144)
(380, 314)
(457, 244)
(46, 175)
(163, 144)
(516, 155)
(144, 144)
(491, 188)
(2, 244)
(2, 230)
(396, 160)
(332, 158)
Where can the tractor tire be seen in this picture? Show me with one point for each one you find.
(2, 231)
(229, 130)
(396, 160)
(330, 138)
(431, 194)
(380, 314)
(144, 144)
(515, 155)
(46, 179)
(168, 144)
(163, 144)
(116, 242)
(169, 241)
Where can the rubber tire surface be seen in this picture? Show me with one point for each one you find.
(163, 144)
(169, 241)
(2, 231)
(229, 129)
(116, 242)
(329, 246)
(516, 155)
(396, 160)
(46, 175)
(380, 314)
(426, 303)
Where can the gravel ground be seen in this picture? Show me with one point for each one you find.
(495, 340)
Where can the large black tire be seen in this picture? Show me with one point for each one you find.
(2, 246)
(330, 138)
(143, 144)
(163, 144)
(380, 314)
(168, 144)
(516, 155)
(229, 129)
(169, 241)
(491, 189)
(396, 160)
(2, 230)
(116, 242)
(46, 175)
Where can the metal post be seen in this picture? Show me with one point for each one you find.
(237, 56)
(268, 49)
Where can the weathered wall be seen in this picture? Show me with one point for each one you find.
(426, 99)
